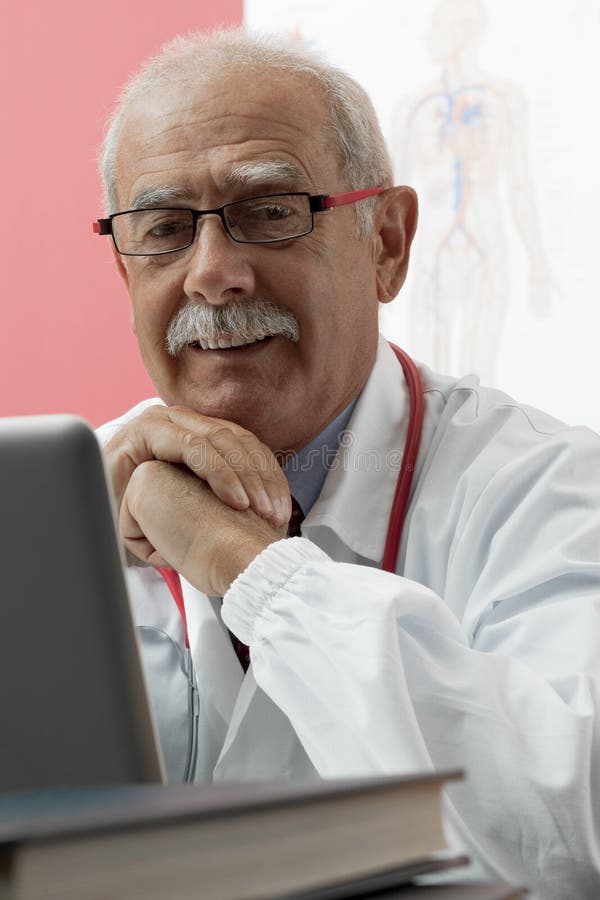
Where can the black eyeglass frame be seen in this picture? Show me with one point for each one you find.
(317, 203)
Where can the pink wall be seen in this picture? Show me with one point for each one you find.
(65, 340)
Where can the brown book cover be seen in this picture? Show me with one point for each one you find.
(216, 841)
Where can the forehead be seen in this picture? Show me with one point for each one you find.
(205, 139)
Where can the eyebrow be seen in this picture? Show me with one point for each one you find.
(262, 172)
(156, 196)
(259, 173)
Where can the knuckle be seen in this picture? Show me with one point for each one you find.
(194, 450)
(121, 456)
(154, 413)
(246, 437)
(189, 439)
(218, 432)
(151, 421)
(175, 410)
(127, 447)
(146, 427)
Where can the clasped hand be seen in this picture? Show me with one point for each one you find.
(197, 494)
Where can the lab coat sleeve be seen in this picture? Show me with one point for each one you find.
(378, 674)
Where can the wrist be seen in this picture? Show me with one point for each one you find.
(236, 559)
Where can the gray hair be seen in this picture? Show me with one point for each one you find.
(186, 61)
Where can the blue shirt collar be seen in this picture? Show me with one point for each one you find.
(306, 470)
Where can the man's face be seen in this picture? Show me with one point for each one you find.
(194, 141)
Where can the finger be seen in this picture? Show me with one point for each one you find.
(253, 462)
(274, 481)
(135, 542)
(155, 435)
(171, 518)
(258, 470)
(200, 456)
(240, 469)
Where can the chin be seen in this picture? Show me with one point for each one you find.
(246, 408)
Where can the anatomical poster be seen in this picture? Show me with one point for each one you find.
(488, 107)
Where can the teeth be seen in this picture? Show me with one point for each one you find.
(226, 343)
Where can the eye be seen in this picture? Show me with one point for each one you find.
(268, 209)
(168, 226)
(273, 212)
(265, 219)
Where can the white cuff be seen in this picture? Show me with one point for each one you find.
(268, 572)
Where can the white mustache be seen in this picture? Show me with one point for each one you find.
(240, 318)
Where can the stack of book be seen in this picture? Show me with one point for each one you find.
(332, 840)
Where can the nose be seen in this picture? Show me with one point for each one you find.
(218, 269)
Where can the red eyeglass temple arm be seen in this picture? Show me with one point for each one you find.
(350, 197)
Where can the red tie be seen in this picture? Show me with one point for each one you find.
(296, 519)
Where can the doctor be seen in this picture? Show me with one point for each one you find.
(255, 306)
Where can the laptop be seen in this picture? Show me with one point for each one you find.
(73, 703)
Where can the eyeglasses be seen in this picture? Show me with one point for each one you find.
(258, 220)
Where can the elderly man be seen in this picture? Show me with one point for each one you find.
(255, 225)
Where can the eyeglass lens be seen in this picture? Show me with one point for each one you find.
(147, 232)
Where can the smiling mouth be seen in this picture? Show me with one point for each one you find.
(232, 343)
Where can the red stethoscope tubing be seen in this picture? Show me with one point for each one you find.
(401, 494)
(409, 459)
(174, 584)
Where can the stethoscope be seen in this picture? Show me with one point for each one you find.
(390, 552)
(174, 583)
(409, 460)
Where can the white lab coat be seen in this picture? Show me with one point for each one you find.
(484, 653)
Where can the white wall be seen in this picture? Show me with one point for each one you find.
(548, 51)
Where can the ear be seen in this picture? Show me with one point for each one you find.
(124, 274)
(395, 225)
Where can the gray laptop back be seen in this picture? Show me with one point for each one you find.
(73, 704)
